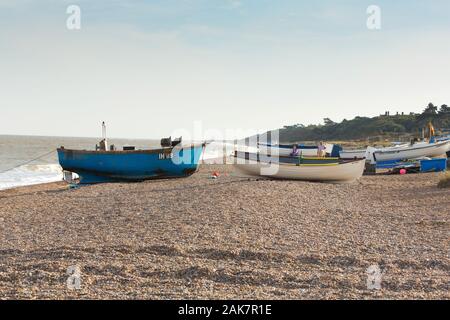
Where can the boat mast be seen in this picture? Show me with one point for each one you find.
(103, 130)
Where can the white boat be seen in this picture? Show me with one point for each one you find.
(343, 172)
(412, 151)
(367, 153)
(448, 146)
(286, 150)
(351, 154)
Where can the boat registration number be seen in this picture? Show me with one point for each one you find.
(164, 156)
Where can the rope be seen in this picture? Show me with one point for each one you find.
(27, 162)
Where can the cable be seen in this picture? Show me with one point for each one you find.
(27, 162)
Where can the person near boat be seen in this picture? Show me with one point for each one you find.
(294, 152)
(321, 149)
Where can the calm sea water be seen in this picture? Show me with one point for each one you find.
(16, 151)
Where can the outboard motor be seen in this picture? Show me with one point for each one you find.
(166, 142)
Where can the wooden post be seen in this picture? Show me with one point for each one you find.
(224, 152)
(234, 151)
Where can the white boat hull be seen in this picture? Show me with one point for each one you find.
(413, 151)
(366, 153)
(339, 173)
(448, 146)
(351, 154)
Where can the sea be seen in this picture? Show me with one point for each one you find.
(28, 160)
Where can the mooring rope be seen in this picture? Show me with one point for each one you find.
(27, 162)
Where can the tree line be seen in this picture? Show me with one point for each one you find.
(361, 128)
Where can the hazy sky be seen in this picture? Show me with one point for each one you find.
(151, 67)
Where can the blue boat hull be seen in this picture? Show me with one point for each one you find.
(136, 165)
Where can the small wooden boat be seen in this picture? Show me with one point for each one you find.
(336, 170)
(131, 165)
(414, 151)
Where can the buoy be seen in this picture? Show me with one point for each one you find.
(402, 171)
(214, 175)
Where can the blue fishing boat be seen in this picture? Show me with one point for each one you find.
(131, 165)
(172, 160)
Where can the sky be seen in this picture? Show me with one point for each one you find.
(155, 68)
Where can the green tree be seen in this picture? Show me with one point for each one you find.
(430, 109)
(444, 109)
(328, 122)
(363, 127)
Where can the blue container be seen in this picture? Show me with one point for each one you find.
(433, 165)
